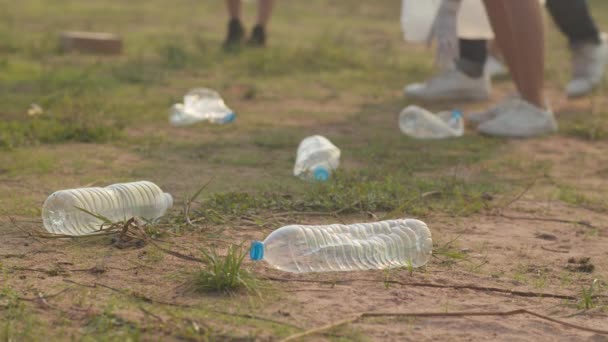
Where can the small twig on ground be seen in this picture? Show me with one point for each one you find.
(170, 252)
(10, 256)
(148, 313)
(554, 250)
(33, 299)
(456, 287)
(587, 312)
(257, 318)
(23, 230)
(521, 194)
(55, 271)
(306, 213)
(440, 314)
(527, 218)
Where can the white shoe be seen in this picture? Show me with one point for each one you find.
(477, 118)
(494, 67)
(588, 62)
(450, 85)
(520, 119)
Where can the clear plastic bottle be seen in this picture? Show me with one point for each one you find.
(317, 157)
(419, 123)
(60, 213)
(379, 245)
(201, 104)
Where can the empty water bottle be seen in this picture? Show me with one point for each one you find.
(419, 123)
(201, 104)
(380, 245)
(317, 157)
(62, 214)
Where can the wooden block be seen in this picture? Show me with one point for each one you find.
(90, 42)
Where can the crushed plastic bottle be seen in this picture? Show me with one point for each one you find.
(365, 246)
(118, 202)
(419, 123)
(201, 104)
(316, 158)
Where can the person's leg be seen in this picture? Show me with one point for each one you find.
(473, 56)
(264, 11)
(234, 9)
(573, 18)
(519, 32)
(258, 35)
(235, 27)
(518, 28)
(589, 48)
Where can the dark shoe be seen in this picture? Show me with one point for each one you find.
(235, 34)
(258, 36)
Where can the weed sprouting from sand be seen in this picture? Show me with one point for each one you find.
(224, 273)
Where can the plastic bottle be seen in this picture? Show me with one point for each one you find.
(60, 213)
(201, 104)
(419, 123)
(380, 245)
(317, 157)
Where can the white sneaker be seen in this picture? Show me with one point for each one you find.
(477, 118)
(494, 67)
(450, 85)
(588, 62)
(520, 119)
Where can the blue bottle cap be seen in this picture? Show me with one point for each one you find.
(257, 250)
(456, 114)
(320, 174)
(229, 118)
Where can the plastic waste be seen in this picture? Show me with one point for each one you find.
(336, 247)
(417, 17)
(201, 104)
(316, 158)
(35, 110)
(419, 123)
(117, 202)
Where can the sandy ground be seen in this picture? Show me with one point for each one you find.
(525, 246)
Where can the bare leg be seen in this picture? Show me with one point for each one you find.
(264, 11)
(519, 34)
(234, 8)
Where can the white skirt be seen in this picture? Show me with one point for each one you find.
(417, 17)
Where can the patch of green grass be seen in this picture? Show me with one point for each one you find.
(224, 273)
(138, 70)
(587, 300)
(153, 255)
(328, 52)
(357, 193)
(274, 139)
(587, 129)
(107, 326)
(52, 130)
(450, 253)
(346, 334)
(17, 323)
(574, 197)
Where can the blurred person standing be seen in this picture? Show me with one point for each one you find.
(236, 30)
(469, 76)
